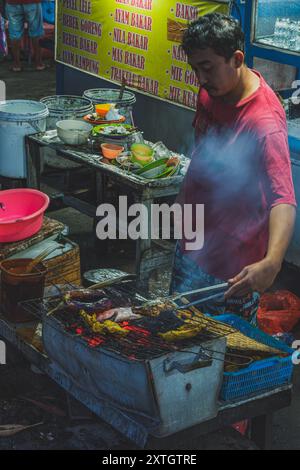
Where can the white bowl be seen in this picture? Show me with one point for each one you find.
(73, 132)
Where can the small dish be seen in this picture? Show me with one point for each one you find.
(111, 151)
(96, 121)
(114, 131)
(142, 154)
(102, 109)
(153, 169)
(124, 160)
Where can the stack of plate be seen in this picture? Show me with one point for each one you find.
(126, 139)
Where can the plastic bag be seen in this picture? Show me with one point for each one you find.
(278, 312)
(242, 426)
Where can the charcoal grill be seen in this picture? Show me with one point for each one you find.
(172, 387)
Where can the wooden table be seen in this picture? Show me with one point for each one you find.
(150, 254)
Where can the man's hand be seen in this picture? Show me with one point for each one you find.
(257, 277)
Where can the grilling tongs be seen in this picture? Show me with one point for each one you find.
(204, 290)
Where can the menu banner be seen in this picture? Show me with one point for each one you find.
(136, 42)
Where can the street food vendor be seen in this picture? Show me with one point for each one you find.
(240, 171)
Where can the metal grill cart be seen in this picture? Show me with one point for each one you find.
(153, 394)
(150, 255)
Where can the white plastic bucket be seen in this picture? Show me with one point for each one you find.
(112, 95)
(18, 118)
(63, 107)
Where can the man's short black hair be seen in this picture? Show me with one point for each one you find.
(219, 32)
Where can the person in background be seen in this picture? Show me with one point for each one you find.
(18, 12)
(240, 171)
(3, 43)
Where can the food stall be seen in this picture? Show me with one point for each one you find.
(153, 369)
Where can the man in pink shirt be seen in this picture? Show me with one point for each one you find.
(18, 12)
(240, 171)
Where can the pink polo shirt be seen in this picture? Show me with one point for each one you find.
(240, 170)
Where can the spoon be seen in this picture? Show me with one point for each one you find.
(29, 268)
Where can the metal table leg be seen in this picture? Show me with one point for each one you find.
(33, 164)
(261, 431)
(143, 248)
(101, 246)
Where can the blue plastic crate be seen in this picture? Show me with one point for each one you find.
(261, 375)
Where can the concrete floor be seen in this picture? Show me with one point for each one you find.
(29, 84)
(18, 380)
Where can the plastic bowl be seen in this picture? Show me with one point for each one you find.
(111, 151)
(142, 154)
(142, 149)
(102, 109)
(21, 213)
(73, 132)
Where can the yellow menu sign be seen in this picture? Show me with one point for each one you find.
(136, 41)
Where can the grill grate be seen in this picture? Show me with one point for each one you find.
(42, 306)
(143, 342)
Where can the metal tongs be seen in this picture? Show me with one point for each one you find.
(204, 290)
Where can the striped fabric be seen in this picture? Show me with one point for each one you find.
(3, 44)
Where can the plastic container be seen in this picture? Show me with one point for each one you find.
(111, 151)
(102, 109)
(261, 375)
(142, 154)
(112, 95)
(18, 118)
(63, 107)
(21, 213)
(17, 287)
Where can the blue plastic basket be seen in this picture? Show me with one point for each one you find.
(260, 375)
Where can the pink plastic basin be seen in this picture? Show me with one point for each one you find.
(21, 213)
